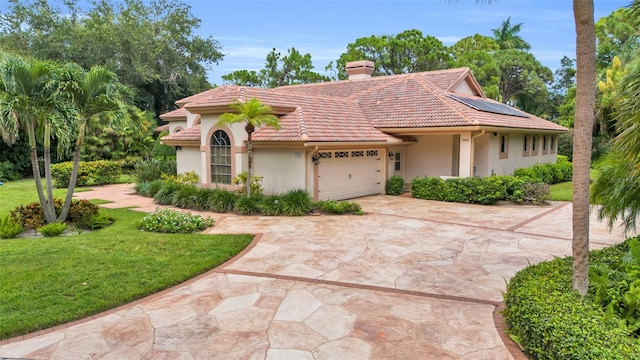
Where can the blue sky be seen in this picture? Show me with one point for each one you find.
(248, 30)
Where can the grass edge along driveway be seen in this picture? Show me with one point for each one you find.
(50, 281)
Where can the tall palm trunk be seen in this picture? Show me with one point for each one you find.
(50, 204)
(582, 139)
(249, 162)
(74, 174)
(31, 133)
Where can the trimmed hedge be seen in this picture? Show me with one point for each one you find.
(551, 321)
(89, 173)
(547, 173)
(472, 190)
(394, 185)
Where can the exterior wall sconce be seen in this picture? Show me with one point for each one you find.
(177, 148)
(316, 159)
(391, 155)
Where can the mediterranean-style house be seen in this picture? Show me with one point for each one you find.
(343, 139)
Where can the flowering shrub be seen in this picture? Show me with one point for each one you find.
(171, 221)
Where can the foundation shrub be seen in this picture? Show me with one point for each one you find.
(463, 190)
(428, 188)
(271, 205)
(152, 169)
(186, 197)
(221, 200)
(547, 173)
(247, 205)
(338, 207)
(296, 202)
(536, 193)
(89, 173)
(185, 178)
(241, 182)
(394, 185)
(142, 188)
(172, 221)
(551, 321)
(165, 195)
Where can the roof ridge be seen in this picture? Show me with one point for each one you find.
(304, 135)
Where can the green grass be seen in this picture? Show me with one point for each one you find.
(564, 191)
(50, 281)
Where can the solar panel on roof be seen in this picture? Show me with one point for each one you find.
(488, 106)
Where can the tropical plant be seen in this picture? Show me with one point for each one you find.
(9, 228)
(506, 36)
(296, 202)
(53, 229)
(254, 114)
(256, 183)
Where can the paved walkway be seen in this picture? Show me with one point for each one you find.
(411, 279)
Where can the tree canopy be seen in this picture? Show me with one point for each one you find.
(150, 45)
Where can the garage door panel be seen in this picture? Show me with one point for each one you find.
(343, 178)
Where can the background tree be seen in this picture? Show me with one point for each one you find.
(407, 52)
(617, 35)
(254, 114)
(293, 68)
(520, 73)
(506, 36)
(477, 52)
(583, 120)
(150, 45)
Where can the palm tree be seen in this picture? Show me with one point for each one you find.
(582, 138)
(100, 101)
(29, 101)
(255, 114)
(506, 35)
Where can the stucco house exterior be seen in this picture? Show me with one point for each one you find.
(343, 139)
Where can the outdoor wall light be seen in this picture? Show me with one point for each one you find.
(391, 155)
(316, 159)
(177, 148)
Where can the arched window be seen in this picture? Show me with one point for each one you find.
(220, 158)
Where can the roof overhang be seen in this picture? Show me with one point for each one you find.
(187, 143)
(464, 129)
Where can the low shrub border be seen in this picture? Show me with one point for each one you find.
(551, 321)
(295, 202)
(89, 173)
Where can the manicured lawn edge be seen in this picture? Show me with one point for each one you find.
(79, 276)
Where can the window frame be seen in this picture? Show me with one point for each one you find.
(220, 158)
(503, 147)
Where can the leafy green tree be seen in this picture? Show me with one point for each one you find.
(254, 114)
(478, 53)
(293, 68)
(617, 35)
(520, 73)
(407, 52)
(506, 36)
(150, 45)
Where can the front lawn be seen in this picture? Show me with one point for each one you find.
(14, 193)
(50, 281)
(564, 191)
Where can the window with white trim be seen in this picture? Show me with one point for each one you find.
(504, 147)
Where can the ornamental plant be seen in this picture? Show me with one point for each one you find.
(172, 221)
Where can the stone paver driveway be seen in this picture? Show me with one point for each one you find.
(411, 279)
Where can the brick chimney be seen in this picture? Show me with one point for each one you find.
(360, 69)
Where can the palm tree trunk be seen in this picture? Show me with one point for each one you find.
(582, 139)
(47, 174)
(74, 175)
(36, 171)
(249, 163)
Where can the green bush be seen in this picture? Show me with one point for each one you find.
(165, 195)
(53, 229)
(221, 200)
(153, 169)
(185, 178)
(31, 215)
(99, 221)
(338, 207)
(428, 188)
(464, 190)
(9, 229)
(271, 205)
(81, 212)
(247, 205)
(296, 202)
(551, 321)
(186, 197)
(536, 193)
(9, 172)
(394, 185)
(515, 189)
(89, 173)
(256, 184)
(547, 173)
(172, 221)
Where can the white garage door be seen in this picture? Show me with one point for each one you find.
(349, 173)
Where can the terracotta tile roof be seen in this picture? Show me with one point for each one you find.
(177, 114)
(162, 128)
(191, 134)
(355, 110)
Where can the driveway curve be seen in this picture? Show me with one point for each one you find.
(410, 279)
